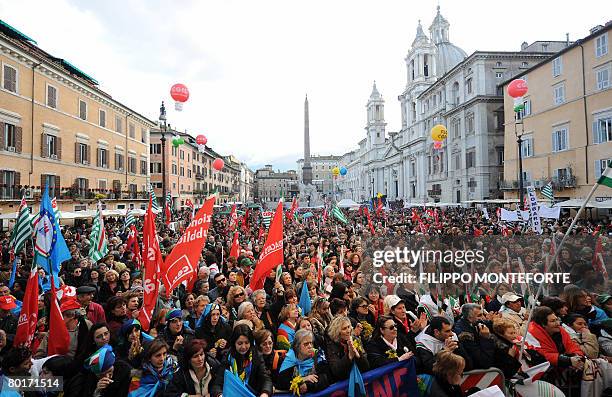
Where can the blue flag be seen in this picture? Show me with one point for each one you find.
(233, 386)
(13, 273)
(50, 248)
(356, 379)
(305, 304)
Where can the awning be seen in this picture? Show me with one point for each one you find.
(577, 203)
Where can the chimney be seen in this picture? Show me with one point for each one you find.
(567, 42)
(524, 46)
(596, 29)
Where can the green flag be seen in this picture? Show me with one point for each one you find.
(547, 191)
(338, 214)
(22, 230)
(606, 176)
(98, 246)
(154, 199)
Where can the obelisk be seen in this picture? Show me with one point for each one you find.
(306, 168)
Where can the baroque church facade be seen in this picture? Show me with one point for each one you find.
(444, 86)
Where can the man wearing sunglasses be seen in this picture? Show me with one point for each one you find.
(221, 288)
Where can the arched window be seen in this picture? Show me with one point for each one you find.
(455, 93)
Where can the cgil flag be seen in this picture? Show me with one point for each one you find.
(547, 191)
(272, 253)
(235, 250)
(98, 245)
(267, 217)
(338, 214)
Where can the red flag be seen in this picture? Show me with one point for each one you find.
(415, 217)
(168, 214)
(379, 207)
(598, 261)
(26, 327)
(272, 252)
(182, 263)
(261, 233)
(245, 221)
(152, 265)
(58, 339)
(477, 232)
(132, 246)
(235, 250)
(367, 212)
(294, 206)
(233, 218)
(324, 214)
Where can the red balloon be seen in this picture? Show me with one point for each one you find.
(201, 140)
(218, 164)
(437, 145)
(179, 93)
(517, 88)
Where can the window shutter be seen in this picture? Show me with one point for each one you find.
(77, 156)
(597, 169)
(18, 139)
(88, 152)
(596, 131)
(86, 184)
(98, 157)
(1, 135)
(18, 180)
(43, 178)
(44, 148)
(59, 148)
(57, 186)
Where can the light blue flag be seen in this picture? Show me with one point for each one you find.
(50, 247)
(305, 303)
(13, 273)
(233, 386)
(355, 378)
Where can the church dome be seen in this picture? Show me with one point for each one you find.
(448, 56)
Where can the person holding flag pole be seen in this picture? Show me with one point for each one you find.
(606, 180)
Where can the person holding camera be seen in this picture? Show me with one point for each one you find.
(475, 336)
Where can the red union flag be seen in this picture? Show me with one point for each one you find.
(272, 252)
(182, 263)
(26, 327)
(235, 250)
(233, 218)
(152, 264)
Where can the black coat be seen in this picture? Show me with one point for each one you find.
(507, 364)
(259, 380)
(212, 334)
(377, 350)
(85, 383)
(339, 363)
(321, 369)
(480, 350)
(181, 383)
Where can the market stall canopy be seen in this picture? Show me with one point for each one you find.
(577, 203)
(347, 203)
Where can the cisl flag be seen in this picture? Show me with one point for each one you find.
(152, 264)
(182, 263)
(272, 252)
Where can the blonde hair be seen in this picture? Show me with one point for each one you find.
(284, 313)
(111, 271)
(232, 292)
(336, 326)
(447, 363)
(500, 325)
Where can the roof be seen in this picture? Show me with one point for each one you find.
(74, 70)
(14, 33)
(577, 43)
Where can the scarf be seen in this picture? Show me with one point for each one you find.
(391, 345)
(303, 366)
(246, 367)
(151, 380)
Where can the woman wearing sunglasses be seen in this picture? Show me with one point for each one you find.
(235, 297)
(386, 346)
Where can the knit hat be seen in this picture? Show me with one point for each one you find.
(172, 314)
(101, 360)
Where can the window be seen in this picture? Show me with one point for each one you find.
(82, 186)
(527, 146)
(601, 45)
(143, 135)
(524, 64)
(51, 96)
(412, 168)
(7, 190)
(132, 165)
(499, 75)
(470, 158)
(188, 173)
(469, 123)
(9, 137)
(102, 184)
(526, 110)
(9, 82)
(102, 158)
(559, 94)
(498, 64)
(455, 93)
(456, 128)
(560, 140)
(182, 155)
(468, 85)
(119, 162)
(143, 167)
(132, 131)
(155, 148)
(119, 124)
(562, 174)
(81, 155)
(600, 166)
(82, 110)
(155, 168)
(603, 78)
(602, 130)
(102, 117)
(175, 169)
(500, 156)
(557, 66)
(52, 144)
(458, 161)
(174, 151)
(53, 182)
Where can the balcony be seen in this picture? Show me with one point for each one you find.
(199, 176)
(566, 182)
(509, 185)
(434, 192)
(16, 192)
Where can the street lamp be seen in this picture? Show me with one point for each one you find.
(162, 128)
(519, 141)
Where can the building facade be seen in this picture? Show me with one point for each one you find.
(270, 185)
(322, 176)
(58, 128)
(247, 183)
(566, 126)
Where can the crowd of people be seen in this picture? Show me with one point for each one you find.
(272, 341)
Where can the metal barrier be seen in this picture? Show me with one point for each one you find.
(483, 378)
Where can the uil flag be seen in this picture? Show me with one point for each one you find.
(233, 222)
(182, 263)
(50, 248)
(152, 265)
(98, 246)
(235, 250)
(272, 252)
(26, 326)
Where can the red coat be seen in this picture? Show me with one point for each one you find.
(548, 348)
(95, 313)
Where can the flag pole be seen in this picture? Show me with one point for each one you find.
(569, 230)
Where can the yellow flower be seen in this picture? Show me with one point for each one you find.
(295, 385)
(367, 329)
(357, 345)
(391, 353)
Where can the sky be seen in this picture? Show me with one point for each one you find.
(248, 64)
